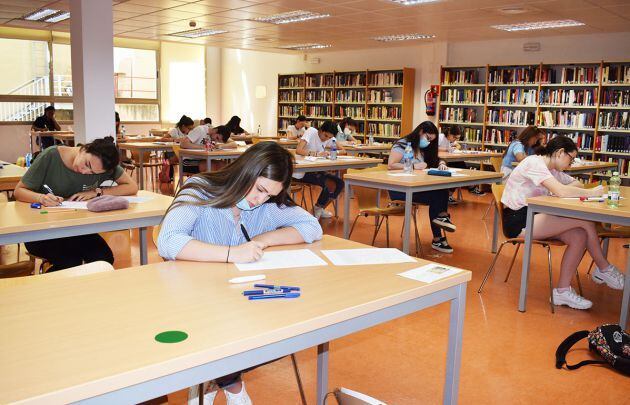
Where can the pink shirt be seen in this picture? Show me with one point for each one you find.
(526, 181)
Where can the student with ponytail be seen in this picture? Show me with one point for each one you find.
(75, 174)
(541, 174)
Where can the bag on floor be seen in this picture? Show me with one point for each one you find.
(165, 172)
(611, 342)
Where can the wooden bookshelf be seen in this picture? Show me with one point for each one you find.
(586, 101)
(381, 101)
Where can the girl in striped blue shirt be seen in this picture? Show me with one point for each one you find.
(204, 222)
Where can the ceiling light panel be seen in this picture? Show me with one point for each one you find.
(412, 2)
(197, 33)
(301, 47)
(291, 17)
(402, 37)
(40, 14)
(539, 25)
(64, 15)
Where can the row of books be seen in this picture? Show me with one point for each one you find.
(614, 119)
(290, 95)
(381, 96)
(290, 110)
(283, 123)
(567, 119)
(384, 112)
(511, 117)
(322, 80)
(585, 97)
(613, 143)
(469, 76)
(471, 134)
(350, 79)
(471, 96)
(318, 111)
(386, 79)
(320, 96)
(512, 96)
(458, 114)
(570, 75)
(291, 81)
(355, 112)
(390, 130)
(623, 166)
(517, 75)
(614, 97)
(583, 140)
(351, 96)
(616, 74)
(499, 136)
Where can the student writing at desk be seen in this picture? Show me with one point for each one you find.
(296, 130)
(234, 124)
(73, 173)
(346, 128)
(46, 122)
(541, 174)
(204, 222)
(203, 137)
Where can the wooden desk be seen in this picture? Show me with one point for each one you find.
(587, 166)
(141, 148)
(574, 208)
(39, 134)
(375, 148)
(420, 181)
(342, 163)
(21, 223)
(467, 156)
(143, 139)
(288, 143)
(10, 175)
(216, 154)
(91, 338)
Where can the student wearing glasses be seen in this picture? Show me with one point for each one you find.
(541, 174)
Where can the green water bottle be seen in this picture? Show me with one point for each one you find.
(613, 191)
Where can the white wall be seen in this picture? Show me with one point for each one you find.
(213, 84)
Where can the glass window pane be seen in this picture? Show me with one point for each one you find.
(64, 111)
(135, 73)
(138, 112)
(24, 67)
(21, 111)
(62, 70)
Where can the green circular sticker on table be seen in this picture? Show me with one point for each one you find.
(171, 336)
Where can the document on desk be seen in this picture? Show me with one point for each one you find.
(77, 205)
(355, 257)
(430, 273)
(401, 174)
(283, 259)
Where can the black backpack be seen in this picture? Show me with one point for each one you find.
(610, 341)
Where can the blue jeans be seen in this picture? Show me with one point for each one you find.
(320, 179)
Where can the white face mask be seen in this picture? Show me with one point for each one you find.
(347, 131)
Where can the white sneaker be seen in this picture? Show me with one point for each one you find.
(571, 299)
(322, 213)
(238, 399)
(613, 278)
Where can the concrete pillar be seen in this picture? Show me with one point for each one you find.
(92, 40)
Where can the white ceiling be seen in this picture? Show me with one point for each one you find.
(351, 25)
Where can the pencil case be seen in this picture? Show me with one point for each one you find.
(435, 172)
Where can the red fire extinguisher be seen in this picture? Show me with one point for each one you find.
(430, 99)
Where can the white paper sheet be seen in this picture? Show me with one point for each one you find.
(353, 257)
(401, 174)
(283, 259)
(430, 273)
(77, 205)
(343, 157)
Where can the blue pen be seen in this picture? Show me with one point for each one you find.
(277, 287)
(269, 296)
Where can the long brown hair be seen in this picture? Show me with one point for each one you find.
(226, 187)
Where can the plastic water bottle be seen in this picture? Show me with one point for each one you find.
(27, 159)
(123, 130)
(613, 191)
(258, 130)
(371, 139)
(333, 149)
(408, 158)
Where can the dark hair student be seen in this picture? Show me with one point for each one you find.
(556, 144)
(300, 118)
(185, 121)
(430, 153)
(105, 150)
(224, 132)
(234, 124)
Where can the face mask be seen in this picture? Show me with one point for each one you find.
(347, 131)
(243, 205)
(424, 142)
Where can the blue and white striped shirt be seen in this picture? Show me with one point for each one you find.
(216, 226)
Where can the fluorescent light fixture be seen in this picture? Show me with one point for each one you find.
(413, 2)
(64, 15)
(40, 14)
(540, 25)
(403, 37)
(291, 17)
(199, 32)
(300, 47)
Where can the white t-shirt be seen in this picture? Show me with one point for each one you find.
(291, 129)
(313, 144)
(176, 133)
(444, 143)
(197, 134)
(526, 182)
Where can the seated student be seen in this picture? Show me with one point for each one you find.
(424, 142)
(206, 121)
(448, 144)
(234, 124)
(46, 122)
(182, 128)
(75, 174)
(117, 121)
(296, 130)
(314, 142)
(541, 174)
(524, 145)
(201, 138)
(346, 128)
(203, 222)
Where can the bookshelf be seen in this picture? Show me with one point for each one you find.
(381, 101)
(589, 102)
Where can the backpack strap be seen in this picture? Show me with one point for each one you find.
(566, 345)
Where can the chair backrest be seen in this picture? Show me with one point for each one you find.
(155, 234)
(496, 163)
(497, 193)
(176, 150)
(366, 197)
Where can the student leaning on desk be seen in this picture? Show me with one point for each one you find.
(541, 174)
(204, 137)
(214, 215)
(73, 173)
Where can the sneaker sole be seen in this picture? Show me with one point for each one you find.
(441, 249)
(446, 227)
(570, 305)
(602, 281)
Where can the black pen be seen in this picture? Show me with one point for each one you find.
(245, 234)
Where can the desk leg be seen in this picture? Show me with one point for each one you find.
(180, 171)
(141, 169)
(454, 351)
(208, 163)
(142, 232)
(495, 230)
(322, 372)
(407, 225)
(30, 143)
(522, 300)
(625, 301)
(346, 210)
(378, 204)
